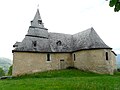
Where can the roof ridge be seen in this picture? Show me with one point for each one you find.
(59, 33)
(84, 31)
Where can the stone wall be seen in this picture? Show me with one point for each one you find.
(95, 61)
(25, 62)
(113, 62)
(88, 60)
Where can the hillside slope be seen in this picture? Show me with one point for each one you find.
(69, 79)
(5, 63)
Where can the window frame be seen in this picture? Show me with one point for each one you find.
(34, 43)
(59, 43)
(39, 22)
(74, 57)
(106, 56)
(48, 57)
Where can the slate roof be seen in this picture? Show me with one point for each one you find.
(38, 39)
(57, 42)
(60, 42)
(16, 44)
(37, 18)
(88, 39)
(42, 44)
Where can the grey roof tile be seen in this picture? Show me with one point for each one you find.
(16, 44)
(60, 42)
(88, 39)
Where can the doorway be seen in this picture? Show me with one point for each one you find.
(62, 64)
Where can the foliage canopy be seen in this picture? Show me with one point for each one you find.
(115, 4)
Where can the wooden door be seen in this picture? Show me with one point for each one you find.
(62, 64)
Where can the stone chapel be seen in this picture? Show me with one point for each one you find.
(41, 50)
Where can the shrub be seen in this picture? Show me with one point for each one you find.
(10, 70)
(2, 73)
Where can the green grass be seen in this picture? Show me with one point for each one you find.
(69, 79)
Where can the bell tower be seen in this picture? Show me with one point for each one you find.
(37, 21)
(37, 28)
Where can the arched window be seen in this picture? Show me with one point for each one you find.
(59, 43)
(48, 57)
(106, 55)
(34, 43)
(74, 57)
(39, 21)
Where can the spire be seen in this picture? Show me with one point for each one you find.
(37, 21)
(37, 6)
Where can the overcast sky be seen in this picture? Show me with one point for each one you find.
(62, 16)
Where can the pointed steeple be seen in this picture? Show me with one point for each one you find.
(37, 28)
(37, 21)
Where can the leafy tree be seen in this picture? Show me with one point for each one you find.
(115, 4)
(10, 70)
(2, 73)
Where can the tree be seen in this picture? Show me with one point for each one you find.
(2, 73)
(115, 4)
(10, 70)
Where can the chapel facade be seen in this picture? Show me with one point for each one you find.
(41, 51)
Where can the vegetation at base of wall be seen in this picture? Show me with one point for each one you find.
(69, 79)
(118, 69)
(2, 73)
(10, 70)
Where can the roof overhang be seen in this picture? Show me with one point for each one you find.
(114, 53)
(92, 49)
(61, 52)
(38, 52)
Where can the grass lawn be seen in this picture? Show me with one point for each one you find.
(69, 79)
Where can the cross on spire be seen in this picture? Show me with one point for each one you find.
(38, 6)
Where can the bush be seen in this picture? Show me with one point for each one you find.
(2, 73)
(10, 70)
(118, 69)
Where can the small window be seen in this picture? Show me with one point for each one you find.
(48, 57)
(74, 57)
(62, 60)
(106, 55)
(39, 21)
(34, 43)
(59, 43)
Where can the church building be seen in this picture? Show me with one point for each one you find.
(41, 50)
